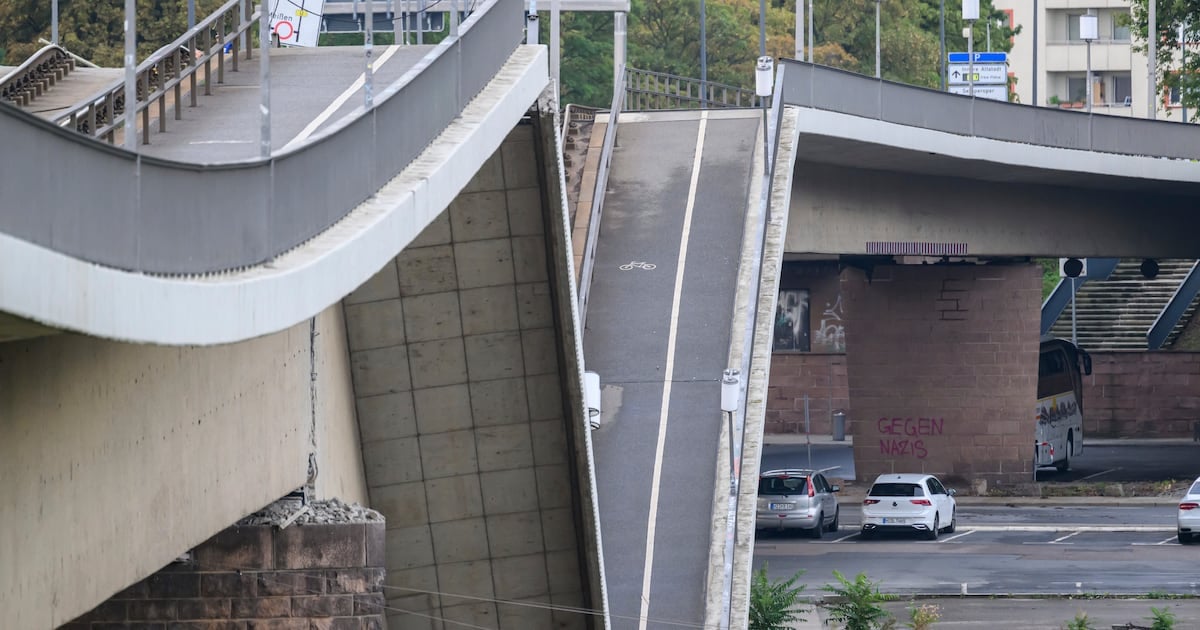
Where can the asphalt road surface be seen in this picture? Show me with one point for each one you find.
(658, 331)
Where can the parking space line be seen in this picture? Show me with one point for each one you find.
(1168, 541)
(956, 536)
(838, 540)
(1062, 538)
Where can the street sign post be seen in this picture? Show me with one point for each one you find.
(296, 23)
(985, 72)
(992, 92)
(980, 57)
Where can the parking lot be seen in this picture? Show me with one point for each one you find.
(1082, 537)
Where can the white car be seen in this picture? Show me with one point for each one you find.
(1188, 520)
(908, 502)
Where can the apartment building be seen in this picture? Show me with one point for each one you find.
(1119, 74)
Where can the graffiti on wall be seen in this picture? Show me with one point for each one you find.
(791, 320)
(902, 436)
(832, 334)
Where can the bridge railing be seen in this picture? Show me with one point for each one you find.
(646, 90)
(155, 216)
(858, 95)
(36, 75)
(162, 75)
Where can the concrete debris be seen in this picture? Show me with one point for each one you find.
(317, 512)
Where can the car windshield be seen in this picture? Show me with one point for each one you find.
(783, 485)
(896, 490)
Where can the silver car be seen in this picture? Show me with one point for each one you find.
(796, 499)
(1188, 520)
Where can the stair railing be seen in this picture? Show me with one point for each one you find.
(1060, 297)
(1158, 333)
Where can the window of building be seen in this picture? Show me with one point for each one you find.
(1120, 32)
(1076, 89)
(1173, 99)
(1073, 27)
(1122, 89)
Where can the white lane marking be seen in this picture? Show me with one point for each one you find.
(836, 540)
(1100, 473)
(956, 536)
(339, 101)
(1062, 538)
(669, 372)
(221, 142)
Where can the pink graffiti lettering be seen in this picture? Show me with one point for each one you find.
(914, 448)
(911, 426)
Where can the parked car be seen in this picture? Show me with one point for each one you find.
(1188, 520)
(790, 499)
(908, 502)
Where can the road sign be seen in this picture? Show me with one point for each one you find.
(296, 22)
(985, 73)
(980, 57)
(993, 92)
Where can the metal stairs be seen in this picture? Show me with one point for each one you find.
(1116, 313)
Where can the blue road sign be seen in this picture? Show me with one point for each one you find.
(980, 57)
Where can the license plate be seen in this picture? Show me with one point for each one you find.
(894, 521)
(783, 506)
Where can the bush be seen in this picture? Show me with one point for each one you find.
(856, 603)
(1161, 619)
(1080, 622)
(773, 604)
(923, 617)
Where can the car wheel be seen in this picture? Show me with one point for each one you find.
(1184, 539)
(953, 523)
(866, 534)
(819, 529)
(833, 527)
(933, 533)
(1065, 464)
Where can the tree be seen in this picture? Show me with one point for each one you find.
(93, 30)
(1172, 73)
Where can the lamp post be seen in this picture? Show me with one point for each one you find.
(942, 45)
(1088, 32)
(703, 57)
(764, 85)
(1151, 60)
(730, 393)
(877, 39)
(970, 13)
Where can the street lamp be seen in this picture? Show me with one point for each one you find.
(1089, 31)
(764, 85)
(877, 39)
(730, 393)
(970, 13)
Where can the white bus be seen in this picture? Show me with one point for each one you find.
(1058, 435)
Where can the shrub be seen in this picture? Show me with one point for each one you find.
(1080, 622)
(923, 617)
(1161, 619)
(773, 604)
(856, 604)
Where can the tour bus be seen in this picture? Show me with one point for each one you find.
(1059, 433)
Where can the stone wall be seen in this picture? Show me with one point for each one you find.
(942, 369)
(1142, 395)
(327, 576)
(821, 376)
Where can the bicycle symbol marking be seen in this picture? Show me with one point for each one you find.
(633, 264)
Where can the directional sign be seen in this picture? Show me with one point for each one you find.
(985, 73)
(993, 92)
(980, 57)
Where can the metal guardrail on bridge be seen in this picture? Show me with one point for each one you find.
(135, 212)
(34, 77)
(646, 90)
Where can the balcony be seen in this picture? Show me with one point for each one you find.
(1071, 56)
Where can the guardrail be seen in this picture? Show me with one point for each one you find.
(589, 249)
(155, 216)
(1166, 321)
(164, 72)
(857, 95)
(38, 74)
(1060, 297)
(646, 90)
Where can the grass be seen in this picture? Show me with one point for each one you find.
(1165, 488)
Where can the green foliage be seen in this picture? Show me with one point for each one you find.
(923, 617)
(1167, 19)
(773, 604)
(93, 30)
(1050, 275)
(856, 603)
(1080, 622)
(1161, 619)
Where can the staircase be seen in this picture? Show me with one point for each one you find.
(1115, 314)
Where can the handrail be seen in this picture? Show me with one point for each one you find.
(593, 235)
(40, 71)
(165, 70)
(1166, 321)
(650, 90)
